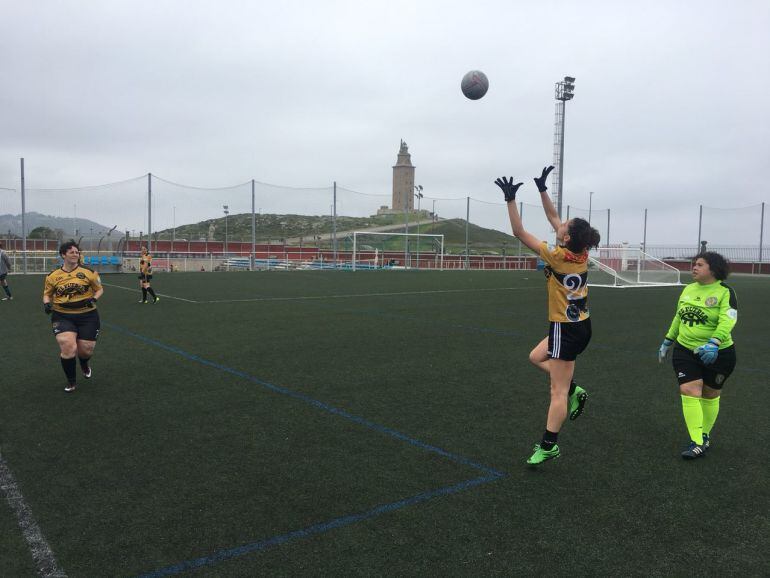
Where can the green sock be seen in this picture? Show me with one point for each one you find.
(710, 409)
(693, 417)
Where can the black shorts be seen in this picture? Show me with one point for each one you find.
(145, 278)
(568, 340)
(688, 366)
(86, 325)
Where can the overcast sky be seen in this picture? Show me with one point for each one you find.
(670, 107)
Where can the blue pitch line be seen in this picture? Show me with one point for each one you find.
(230, 553)
(314, 402)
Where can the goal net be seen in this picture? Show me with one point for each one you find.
(384, 250)
(629, 267)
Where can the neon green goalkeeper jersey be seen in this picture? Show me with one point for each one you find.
(703, 312)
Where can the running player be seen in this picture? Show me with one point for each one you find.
(70, 297)
(145, 276)
(566, 272)
(704, 354)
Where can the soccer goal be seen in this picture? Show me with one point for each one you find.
(384, 250)
(629, 267)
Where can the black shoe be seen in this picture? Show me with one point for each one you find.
(69, 387)
(694, 451)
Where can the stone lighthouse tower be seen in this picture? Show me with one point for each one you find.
(403, 180)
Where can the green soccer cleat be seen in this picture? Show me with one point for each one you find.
(577, 402)
(542, 455)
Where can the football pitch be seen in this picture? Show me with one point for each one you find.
(371, 423)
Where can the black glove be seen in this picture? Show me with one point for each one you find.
(47, 307)
(541, 181)
(509, 189)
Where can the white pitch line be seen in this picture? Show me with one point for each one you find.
(42, 555)
(166, 295)
(355, 295)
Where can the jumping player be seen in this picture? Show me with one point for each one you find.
(566, 272)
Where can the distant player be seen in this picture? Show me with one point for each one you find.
(566, 272)
(704, 354)
(145, 276)
(70, 297)
(5, 268)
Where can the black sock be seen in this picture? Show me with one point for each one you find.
(7, 290)
(149, 289)
(84, 362)
(69, 366)
(144, 294)
(549, 440)
(572, 386)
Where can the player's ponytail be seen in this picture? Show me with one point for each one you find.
(582, 236)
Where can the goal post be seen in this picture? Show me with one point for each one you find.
(377, 250)
(629, 267)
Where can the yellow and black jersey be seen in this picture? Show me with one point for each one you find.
(567, 279)
(71, 292)
(145, 264)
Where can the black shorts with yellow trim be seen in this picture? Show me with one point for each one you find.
(688, 366)
(85, 325)
(567, 340)
(145, 278)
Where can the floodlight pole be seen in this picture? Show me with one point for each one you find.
(590, 198)
(467, 226)
(564, 92)
(700, 224)
(253, 226)
(419, 195)
(334, 226)
(149, 213)
(761, 236)
(406, 230)
(226, 210)
(23, 221)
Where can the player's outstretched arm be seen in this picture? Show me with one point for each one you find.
(550, 211)
(509, 191)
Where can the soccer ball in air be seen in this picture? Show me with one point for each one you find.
(474, 84)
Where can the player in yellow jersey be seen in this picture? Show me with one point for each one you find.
(69, 297)
(145, 276)
(566, 270)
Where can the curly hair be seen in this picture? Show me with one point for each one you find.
(67, 246)
(582, 236)
(720, 267)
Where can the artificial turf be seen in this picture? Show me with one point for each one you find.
(373, 423)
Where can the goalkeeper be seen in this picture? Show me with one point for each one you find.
(703, 351)
(566, 272)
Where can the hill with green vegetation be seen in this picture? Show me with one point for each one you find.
(314, 230)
